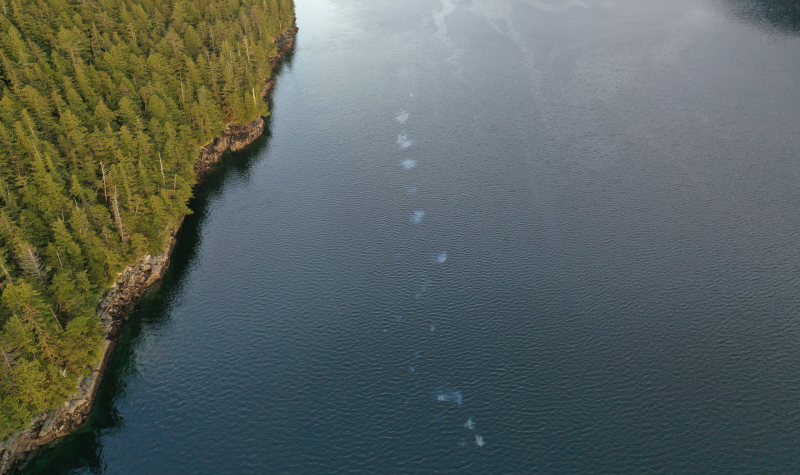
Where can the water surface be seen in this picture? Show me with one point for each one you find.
(487, 236)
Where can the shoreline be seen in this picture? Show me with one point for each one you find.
(132, 283)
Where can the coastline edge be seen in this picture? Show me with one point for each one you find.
(132, 283)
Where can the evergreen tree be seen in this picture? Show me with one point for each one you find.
(103, 109)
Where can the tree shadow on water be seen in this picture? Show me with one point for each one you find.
(82, 451)
(778, 16)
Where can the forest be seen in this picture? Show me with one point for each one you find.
(104, 105)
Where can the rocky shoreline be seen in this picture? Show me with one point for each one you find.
(237, 137)
(131, 284)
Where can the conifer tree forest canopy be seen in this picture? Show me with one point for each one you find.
(103, 107)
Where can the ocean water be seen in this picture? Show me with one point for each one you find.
(489, 237)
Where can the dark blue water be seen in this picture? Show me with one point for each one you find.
(568, 227)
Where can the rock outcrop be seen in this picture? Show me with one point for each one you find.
(234, 139)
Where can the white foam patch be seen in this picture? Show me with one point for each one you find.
(402, 117)
(417, 216)
(451, 396)
(440, 258)
(408, 164)
(403, 142)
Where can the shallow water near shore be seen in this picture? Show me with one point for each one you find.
(582, 256)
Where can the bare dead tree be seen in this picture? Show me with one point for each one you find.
(56, 318)
(247, 49)
(8, 362)
(105, 174)
(30, 263)
(5, 271)
(117, 216)
(161, 164)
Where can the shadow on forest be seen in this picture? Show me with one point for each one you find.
(83, 449)
(780, 16)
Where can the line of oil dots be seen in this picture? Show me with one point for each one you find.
(445, 396)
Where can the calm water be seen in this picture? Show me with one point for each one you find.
(569, 227)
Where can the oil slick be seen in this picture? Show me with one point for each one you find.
(403, 142)
(449, 396)
(443, 395)
(408, 164)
